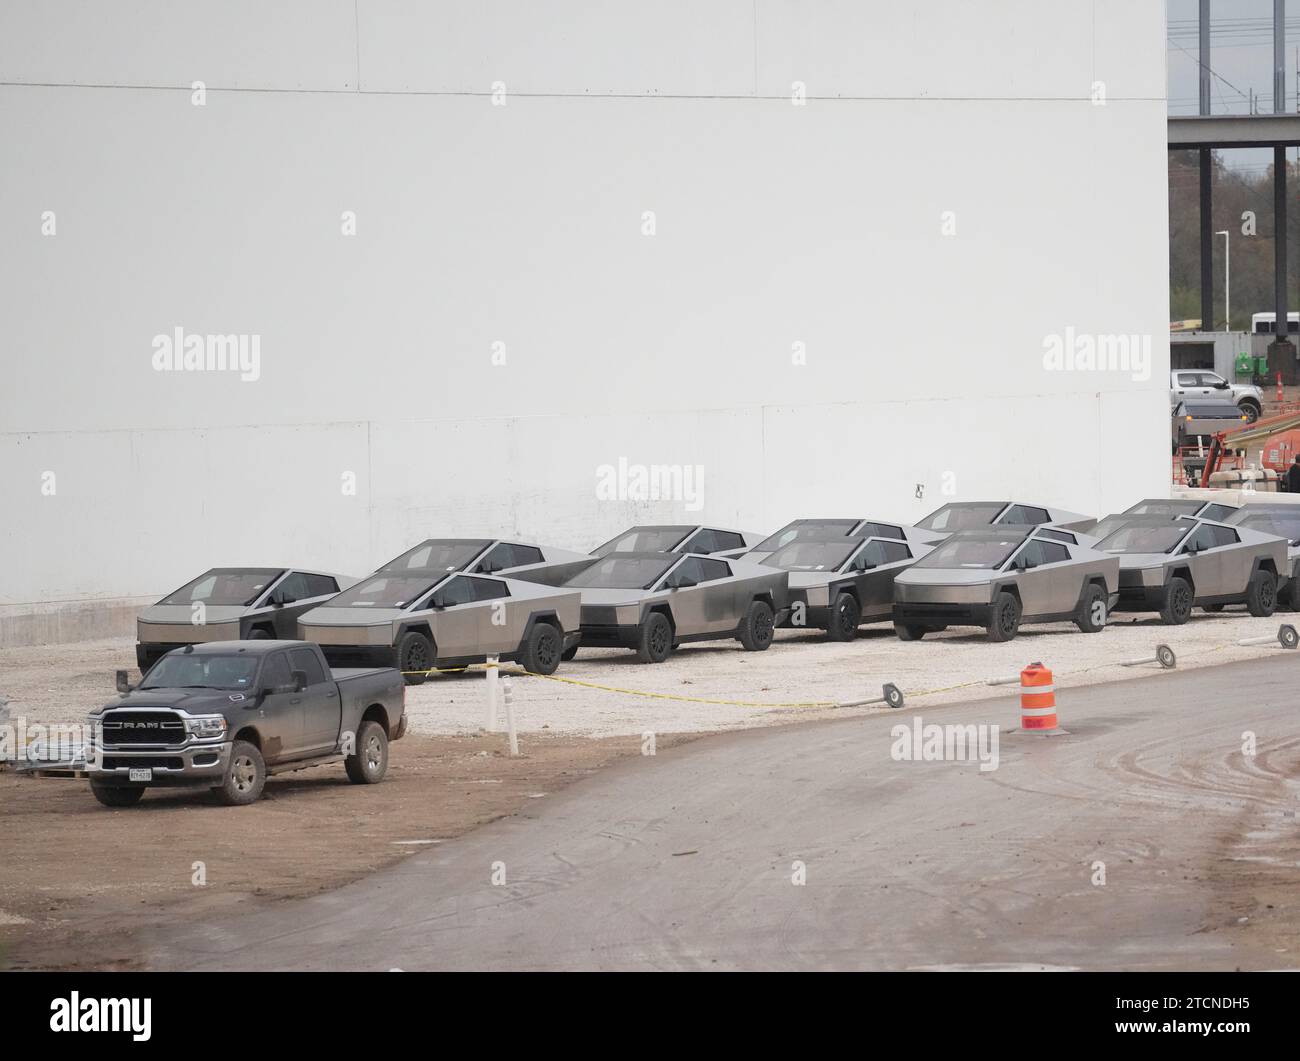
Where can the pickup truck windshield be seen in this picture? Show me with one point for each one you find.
(1140, 539)
(445, 554)
(226, 586)
(974, 553)
(813, 555)
(623, 572)
(387, 591)
(793, 531)
(961, 517)
(644, 540)
(182, 670)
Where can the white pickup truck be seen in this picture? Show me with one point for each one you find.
(1198, 384)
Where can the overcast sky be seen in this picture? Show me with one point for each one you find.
(1241, 59)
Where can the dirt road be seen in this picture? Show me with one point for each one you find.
(1146, 838)
(78, 881)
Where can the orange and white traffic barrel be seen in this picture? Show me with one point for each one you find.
(1037, 700)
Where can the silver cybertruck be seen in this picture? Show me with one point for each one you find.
(653, 602)
(838, 583)
(232, 604)
(1169, 566)
(1282, 520)
(418, 620)
(971, 515)
(854, 526)
(999, 578)
(680, 538)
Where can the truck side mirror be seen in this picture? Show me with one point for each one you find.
(299, 680)
(123, 686)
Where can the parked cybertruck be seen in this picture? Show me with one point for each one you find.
(1000, 578)
(837, 583)
(1169, 566)
(653, 602)
(856, 527)
(972, 515)
(1169, 507)
(232, 604)
(680, 538)
(420, 619)
(1282, 520)
(491, 556)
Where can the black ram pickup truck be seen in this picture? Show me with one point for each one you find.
(227, 714)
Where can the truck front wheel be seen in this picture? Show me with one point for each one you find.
(245, 776)
(117, 795)
(369, 763)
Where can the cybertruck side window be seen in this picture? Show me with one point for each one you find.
(498, 557)
(293, 588)
(880, 530)
(457, 591)
(702, 541)
(895, 551)
(727, 541)
(488, 589)
(1024, 516)
(1202, 538)
(1056, 535)
(711, 570)
(525, 554)
(321, 585)
(1223, 535)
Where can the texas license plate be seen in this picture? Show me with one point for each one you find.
(141, 775)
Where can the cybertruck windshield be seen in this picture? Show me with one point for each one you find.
(183, 670)
(388, 591)
(623, 572)
(961, 516)
(644, 540)
(232, 586)
(1283, 524)
(983, 553)
(812, 555)
(823, 528)
(1146, 539)
(438, 554)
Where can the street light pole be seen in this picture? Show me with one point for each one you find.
(1227, 298)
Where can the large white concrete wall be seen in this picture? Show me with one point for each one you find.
(480, 224)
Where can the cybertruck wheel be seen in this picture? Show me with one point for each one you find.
(1213, 609)
(569, 653)
(117, 795)
(1261, 595)
(1004, 617)
(1091, 616)
(369, 763)
(542, 651)
(245, 776)
(757, 627)
(910, 631)
(655, 639)
(845, 616)
(1177, 608)
(415, 657)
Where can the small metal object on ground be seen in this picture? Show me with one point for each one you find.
(1286, 637)
(890, 694)
(1164, 656)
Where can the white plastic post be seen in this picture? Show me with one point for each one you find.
(510, 717)
(492, 676)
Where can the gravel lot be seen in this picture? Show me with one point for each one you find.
(59, 683)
